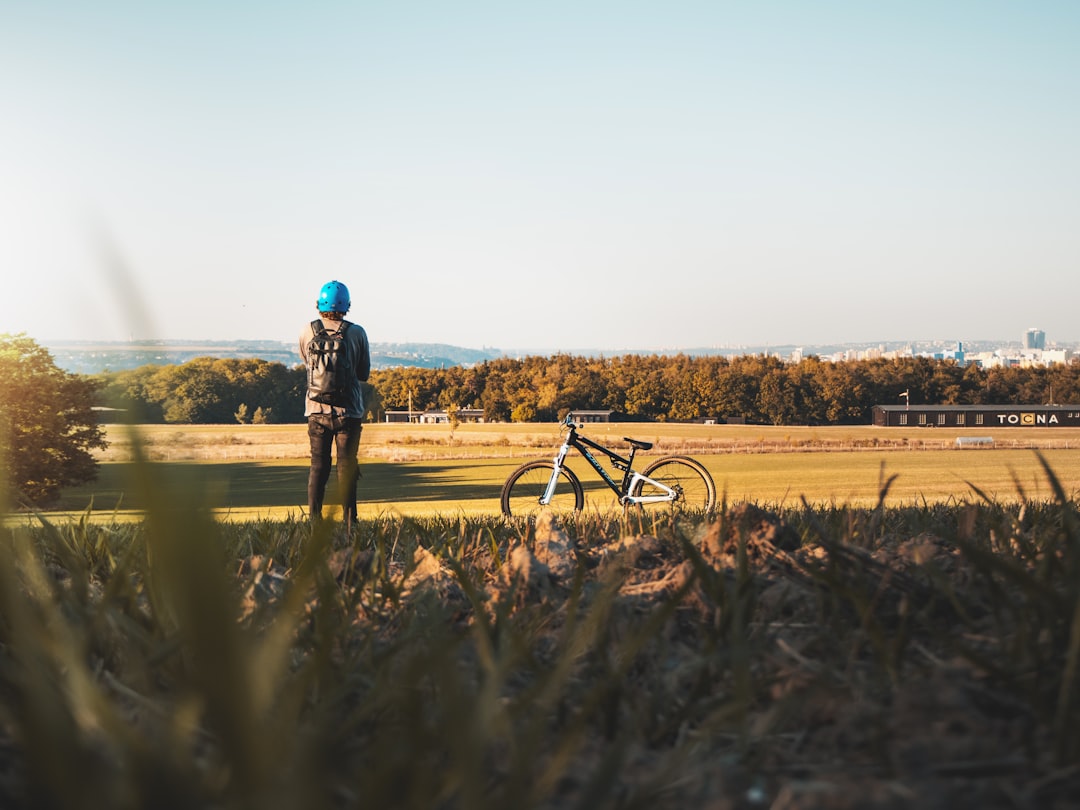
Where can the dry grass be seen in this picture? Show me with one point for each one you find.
(406, 442)
(923, 656)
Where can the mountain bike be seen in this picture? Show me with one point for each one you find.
(677, 480)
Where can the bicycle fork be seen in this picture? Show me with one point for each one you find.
(549, 493)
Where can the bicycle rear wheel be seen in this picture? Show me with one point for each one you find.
(692, 483)
(526, 485)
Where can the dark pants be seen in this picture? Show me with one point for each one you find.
(342, 434)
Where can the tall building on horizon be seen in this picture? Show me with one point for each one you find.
(1034, 339)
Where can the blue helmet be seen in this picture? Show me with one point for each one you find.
(334, 297)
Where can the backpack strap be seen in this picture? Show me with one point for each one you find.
(317, 327)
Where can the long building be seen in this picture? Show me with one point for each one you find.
(976, 416)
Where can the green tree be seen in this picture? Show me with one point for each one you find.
(47, 423)
(405, 386)
(737, 389)
(682, 384)
(523, 413)
(1064, 383)
(494, 400)
(129, 391)
(373, 404)
(847, 395)
(195, 392)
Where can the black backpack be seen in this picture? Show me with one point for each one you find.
(328, 367)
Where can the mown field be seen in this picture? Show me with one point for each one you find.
(253, 471)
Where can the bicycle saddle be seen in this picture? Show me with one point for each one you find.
(638, 444)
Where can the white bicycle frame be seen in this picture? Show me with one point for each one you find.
(666, 496)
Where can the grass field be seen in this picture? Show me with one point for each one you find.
(921, 655)
(260, 471)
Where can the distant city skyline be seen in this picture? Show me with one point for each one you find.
(92, 357)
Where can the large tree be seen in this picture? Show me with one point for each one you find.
(47, 423)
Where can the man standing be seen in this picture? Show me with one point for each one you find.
(338, 359)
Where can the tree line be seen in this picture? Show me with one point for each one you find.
(206, 390)
(756, 388)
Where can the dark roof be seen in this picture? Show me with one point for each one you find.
(948, 408)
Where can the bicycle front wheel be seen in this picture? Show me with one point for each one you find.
(527, 484)
(694, 487)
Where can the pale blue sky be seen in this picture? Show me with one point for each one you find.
(687, 173)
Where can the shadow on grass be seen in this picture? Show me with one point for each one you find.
(238, 484)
